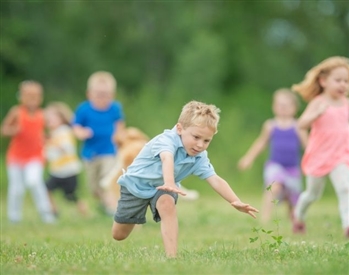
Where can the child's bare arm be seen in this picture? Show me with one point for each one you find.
(10, 126)
(82, 133)
(348, 100)
(257, 146)
(119, 134)
(314, 109)
(168, 174)
(225, 191)
(303, 136)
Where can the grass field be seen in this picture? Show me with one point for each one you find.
(214, 239)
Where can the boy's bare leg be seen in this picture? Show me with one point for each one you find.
(268, 201)
(120, 231)
(169, 224)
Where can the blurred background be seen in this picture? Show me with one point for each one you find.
(165, 53)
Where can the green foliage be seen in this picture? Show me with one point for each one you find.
(163, 54)
(277, 240)
(198, 47)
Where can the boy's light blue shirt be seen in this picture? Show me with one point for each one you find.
(145, 173)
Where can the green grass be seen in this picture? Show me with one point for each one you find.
(214, 239)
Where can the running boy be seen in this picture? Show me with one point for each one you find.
(154, 177)
(96, 121)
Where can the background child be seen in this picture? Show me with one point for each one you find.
(282, 167)
(325, 86)
(154, 176)
(96, 121)
(64, 164)
(24, 123)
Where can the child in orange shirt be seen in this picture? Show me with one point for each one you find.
(24, 123)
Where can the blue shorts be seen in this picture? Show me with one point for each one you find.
(132, 210)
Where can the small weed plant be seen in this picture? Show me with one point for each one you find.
(267, 239)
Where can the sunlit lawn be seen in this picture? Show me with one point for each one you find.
(214, 239)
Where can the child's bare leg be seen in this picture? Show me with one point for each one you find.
(82, 207)
(52, 202)
(290, 210)
(169, 224)
(120, 231)
(268, 201)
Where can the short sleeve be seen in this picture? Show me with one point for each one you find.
(79, 116)
(118, 111)
(163, 143)
(203, 168)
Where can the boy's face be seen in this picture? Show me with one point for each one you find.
(30, 96)
(195, 139)
(100, 95)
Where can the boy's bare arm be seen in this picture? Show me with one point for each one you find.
(120, 132)
(168, 174)
(225, 191)
(10, 126)
(82, 133)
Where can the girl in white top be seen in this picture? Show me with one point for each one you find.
(61, 153)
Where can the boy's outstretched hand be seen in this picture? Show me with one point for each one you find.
(246, 208)
(171, 188)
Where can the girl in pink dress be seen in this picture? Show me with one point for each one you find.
(325, 87)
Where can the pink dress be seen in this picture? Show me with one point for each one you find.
(328, 144)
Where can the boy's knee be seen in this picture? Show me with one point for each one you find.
(166, 203)
(118, 235)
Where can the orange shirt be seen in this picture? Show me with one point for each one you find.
(28, 143)
(328, 144)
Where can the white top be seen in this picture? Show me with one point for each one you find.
(61, 153)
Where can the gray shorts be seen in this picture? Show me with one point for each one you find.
(132, 210)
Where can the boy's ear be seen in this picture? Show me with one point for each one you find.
(179, 128)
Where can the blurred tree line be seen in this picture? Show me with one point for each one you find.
(165, 53)
(199, 48)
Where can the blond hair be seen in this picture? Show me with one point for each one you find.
(63, 111)
(310, 87)
(29, 83)
(289, 93)
(102, 77)
(197, 113)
